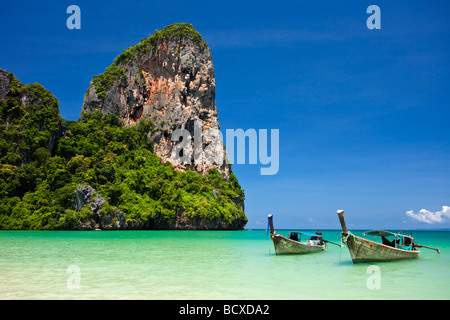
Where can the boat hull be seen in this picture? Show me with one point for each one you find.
(285, 245)
(364, 250)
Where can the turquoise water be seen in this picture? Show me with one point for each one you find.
(206, 265)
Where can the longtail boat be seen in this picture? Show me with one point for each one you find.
(293, 245)
(364, 250)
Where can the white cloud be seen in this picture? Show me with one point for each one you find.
(430, 217)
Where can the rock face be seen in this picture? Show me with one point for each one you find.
(87, 195)
(104, 218)
(169, 79)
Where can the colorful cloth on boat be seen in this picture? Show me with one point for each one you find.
(404, 247)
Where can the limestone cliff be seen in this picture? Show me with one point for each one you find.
(169, 79)
(100, 172)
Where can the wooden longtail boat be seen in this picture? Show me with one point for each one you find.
(293, 244)
(364, 250)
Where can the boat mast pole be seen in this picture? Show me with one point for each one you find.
(271, 224)
(342, 221)
(421, 246)
(337, 244)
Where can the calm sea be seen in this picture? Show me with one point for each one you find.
(207, 265)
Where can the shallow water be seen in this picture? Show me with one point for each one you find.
(207, 265)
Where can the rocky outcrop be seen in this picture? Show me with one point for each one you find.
(86, 195)
(105, 217)
(164, 84)
(169, 79)
(29, 119)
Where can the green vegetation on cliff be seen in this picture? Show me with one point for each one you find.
(171, 32)
(43, 158)
(30, 122)
(104, 81)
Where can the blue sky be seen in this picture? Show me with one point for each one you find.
(363, 114)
